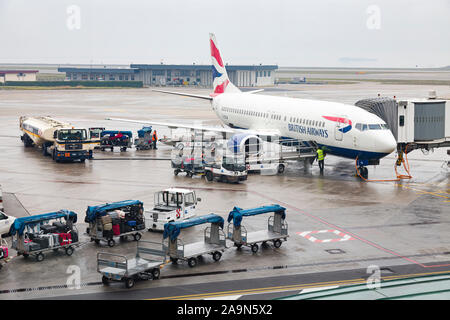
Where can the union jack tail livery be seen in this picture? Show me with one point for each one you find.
(221, 82)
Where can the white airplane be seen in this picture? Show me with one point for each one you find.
(340, 129)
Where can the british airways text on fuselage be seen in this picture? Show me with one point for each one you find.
(308, 130)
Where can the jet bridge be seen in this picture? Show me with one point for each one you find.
(415, 123)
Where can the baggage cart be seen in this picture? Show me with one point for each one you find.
(3, 252)
(31, 235)
(113, 138)
(149, 260)
(276, 232)
(189, 165)
(144, 139)
(122, 228)
(214, 242)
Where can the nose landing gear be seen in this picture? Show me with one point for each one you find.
(361, 171)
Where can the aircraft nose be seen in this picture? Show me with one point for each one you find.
(386, 143)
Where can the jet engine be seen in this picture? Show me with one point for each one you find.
(248, 144)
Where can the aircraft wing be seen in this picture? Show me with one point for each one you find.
(224, 129)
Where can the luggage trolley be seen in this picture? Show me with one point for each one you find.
(117, 219)
(214, 240)
(115, 138)
(277, 227)
(144, 140)
(34, 235)
(3, 252)
(149, 259)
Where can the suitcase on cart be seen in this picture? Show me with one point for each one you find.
(116, 229)
(33, 246)
(55, 239)
(46, 228)
(50, 239)
(3, 252)
(65, 238)
(61, 227)
(42, 241)
(74, 235)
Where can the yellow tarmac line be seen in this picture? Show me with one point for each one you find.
(292, 287)
(262, 290)
(425, 192)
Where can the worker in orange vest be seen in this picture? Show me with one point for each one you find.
(154, 139)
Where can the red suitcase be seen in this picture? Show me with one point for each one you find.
(65, 238)
(116, 229)
(3, 252)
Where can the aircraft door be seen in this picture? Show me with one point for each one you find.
(338, 134)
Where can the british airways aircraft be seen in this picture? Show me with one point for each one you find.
(340, 129)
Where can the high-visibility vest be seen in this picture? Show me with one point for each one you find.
(320, 155)
(154, 137)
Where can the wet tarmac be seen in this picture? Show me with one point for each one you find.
(379, 223)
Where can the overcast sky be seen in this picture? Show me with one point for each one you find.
(319, 33)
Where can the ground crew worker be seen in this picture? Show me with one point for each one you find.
(320, 159)
(154, 139)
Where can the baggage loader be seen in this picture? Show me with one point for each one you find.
(31, 235)
(277, 227)
(149, 260)
(214, 240)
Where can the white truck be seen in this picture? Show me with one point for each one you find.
(5, 224)
(230, 168)
(172, 204)
(60, 140)
(5, 221)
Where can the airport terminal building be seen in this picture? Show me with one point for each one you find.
(174, 75)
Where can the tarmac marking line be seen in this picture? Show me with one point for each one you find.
(262, 290)
(343, 236)
(293, 287)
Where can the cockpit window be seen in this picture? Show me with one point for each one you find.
(361, 127)
(374, 127)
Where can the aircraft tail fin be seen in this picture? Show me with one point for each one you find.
(221, 82)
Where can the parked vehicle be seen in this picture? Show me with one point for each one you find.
(60, 140)
(173, 204)
(216, 165)
(95, 136)
(5, 224)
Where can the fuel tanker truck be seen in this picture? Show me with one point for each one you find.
(60, 140)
